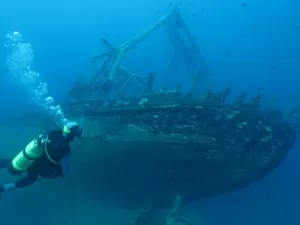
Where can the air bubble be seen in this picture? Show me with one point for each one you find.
(20, 56)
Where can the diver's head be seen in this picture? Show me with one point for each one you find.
(72, 130)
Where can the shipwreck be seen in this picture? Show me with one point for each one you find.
(146, 145)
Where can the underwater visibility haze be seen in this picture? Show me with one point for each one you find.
(186, 112)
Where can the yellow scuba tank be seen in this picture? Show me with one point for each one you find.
(27, 156)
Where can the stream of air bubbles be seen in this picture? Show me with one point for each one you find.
(19, 60)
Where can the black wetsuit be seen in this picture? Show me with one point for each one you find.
(57, 149)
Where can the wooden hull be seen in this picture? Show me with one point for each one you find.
(150, 154)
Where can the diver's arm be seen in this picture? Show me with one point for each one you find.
(23, 182)
(65, 163)
(7, 187)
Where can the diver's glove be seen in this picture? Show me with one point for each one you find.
(6, 187)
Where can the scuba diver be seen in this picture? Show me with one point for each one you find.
(47, 156)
